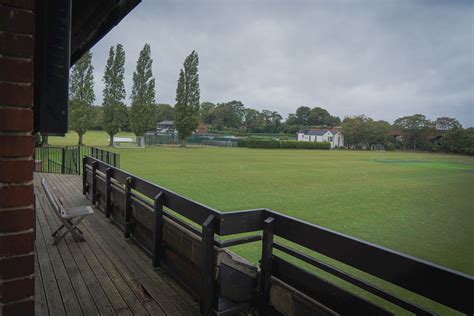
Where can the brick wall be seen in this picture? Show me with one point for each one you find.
(17, 219)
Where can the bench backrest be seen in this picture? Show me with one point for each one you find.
(51, 197)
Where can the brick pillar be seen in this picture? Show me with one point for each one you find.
(17, 219)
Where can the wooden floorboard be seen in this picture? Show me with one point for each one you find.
(80, 271)
(97, 244)
(51, 289)
(173, 301)
(41, 306)
(83, 295)
(103, 275)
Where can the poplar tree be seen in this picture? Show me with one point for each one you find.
(187, 98)
(82, 95)
(143, 110)
(115, 110)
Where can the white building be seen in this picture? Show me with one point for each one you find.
(332, 136)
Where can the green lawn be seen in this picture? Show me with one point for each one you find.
(91, 138)
(418, 203)
(424, 210)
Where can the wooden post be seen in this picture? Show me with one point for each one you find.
(266, 265)
(158, 231)
(128, 206)
(84, 176)
(108, 192)
(207, 265)
(94, 181)
(63, 160)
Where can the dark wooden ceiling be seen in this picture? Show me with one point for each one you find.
(93, 19)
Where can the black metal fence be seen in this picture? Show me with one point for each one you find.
(138, 208)
(68, 160)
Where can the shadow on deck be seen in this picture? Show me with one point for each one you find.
(106, 274)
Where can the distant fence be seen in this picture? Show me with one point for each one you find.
(147, 213)
(68, 160)
(203, 140)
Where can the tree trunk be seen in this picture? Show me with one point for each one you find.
(111, 140)
(80, 139)
(183, 143)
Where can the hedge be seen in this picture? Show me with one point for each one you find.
(284, 144)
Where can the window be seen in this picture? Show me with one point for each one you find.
(331, 138)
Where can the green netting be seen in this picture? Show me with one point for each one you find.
(204, 140)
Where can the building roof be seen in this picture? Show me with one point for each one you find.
(166, 123)
(92, 19)
(320, 132)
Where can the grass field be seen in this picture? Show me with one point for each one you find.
(91, 138)
(418, 203)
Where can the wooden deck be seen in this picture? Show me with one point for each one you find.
(106, 274)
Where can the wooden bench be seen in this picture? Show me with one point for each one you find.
(69, 217)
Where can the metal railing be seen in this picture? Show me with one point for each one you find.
(117, 192)
(68, 160)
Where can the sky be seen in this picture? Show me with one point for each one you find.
(382, 58)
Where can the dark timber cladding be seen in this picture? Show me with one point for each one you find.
(103, 275)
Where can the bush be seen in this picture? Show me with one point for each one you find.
(38, 139)
(468, 151)
(258, 143)
(389, 146)
(284, 144)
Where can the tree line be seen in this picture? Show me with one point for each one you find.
(143, 113)
(113, 115)
(414, 132)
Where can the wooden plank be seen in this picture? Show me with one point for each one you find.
(416, 275)
(266, 265)
(158, 230)
(108, 286)
(128, 207)
(120, 282)
(322, 291)
(80, 288)
(130, 289)
(416, 309)
(183, 300)
(207, 266)
(41, 305)
(133, 252)
(68, 296)
(51, 289)
(85, 299)
(175, 292)
(94, 182)
(241, 221)
(106, 295)
(113, 295)
(135, 258)
(171, 289)
(108, 202)
(109, 245)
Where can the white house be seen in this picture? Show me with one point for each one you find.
(332, 136)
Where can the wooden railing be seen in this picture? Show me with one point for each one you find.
(141, 208)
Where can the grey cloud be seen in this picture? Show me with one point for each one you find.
(385, 59)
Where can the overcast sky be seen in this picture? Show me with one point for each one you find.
(382, 58)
